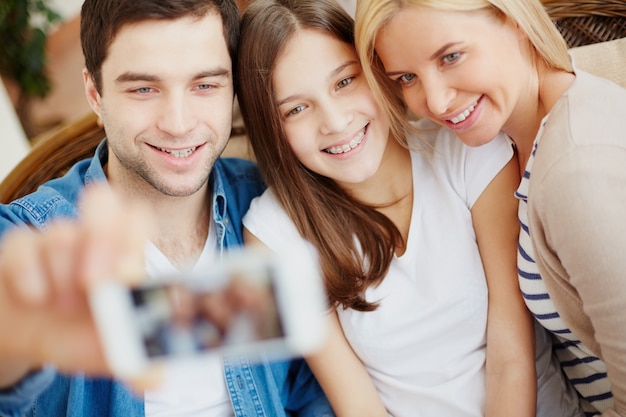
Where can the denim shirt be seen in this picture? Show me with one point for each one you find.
(268, 388)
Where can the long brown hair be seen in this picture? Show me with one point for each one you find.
(355, 242)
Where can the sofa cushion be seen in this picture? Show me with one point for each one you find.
(605, 59)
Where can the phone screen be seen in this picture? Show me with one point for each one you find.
(188, 317)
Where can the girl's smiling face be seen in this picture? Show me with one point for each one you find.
(464, 70)
(328, 113)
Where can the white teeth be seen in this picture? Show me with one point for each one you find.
(180, 153)
(463, 116)
(348, 146)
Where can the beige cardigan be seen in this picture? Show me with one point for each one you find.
(577, 219)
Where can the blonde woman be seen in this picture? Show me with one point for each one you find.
(481, 68)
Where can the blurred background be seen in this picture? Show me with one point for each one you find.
(40, 68)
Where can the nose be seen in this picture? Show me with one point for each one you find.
(176, 116)
(438, 94)
(335, 116)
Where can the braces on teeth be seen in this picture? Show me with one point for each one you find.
(348, 146)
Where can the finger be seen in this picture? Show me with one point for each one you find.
(59, 256)
(21, 269)
(72, 344)
(99, 212)
(115, 235)
(138, 224)
(151, 378)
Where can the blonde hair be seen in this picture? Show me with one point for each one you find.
(373, 15)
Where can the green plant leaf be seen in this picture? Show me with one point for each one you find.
(24, 46)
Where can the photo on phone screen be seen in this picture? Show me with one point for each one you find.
(181, 318)
(250, 302)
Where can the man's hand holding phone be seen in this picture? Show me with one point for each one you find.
(45, 278)
(73, 297)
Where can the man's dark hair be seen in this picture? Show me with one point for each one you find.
(101, 20)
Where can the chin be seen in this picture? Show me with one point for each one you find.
(477, 143)
(175, 189)
(476, 140)
(351, 179)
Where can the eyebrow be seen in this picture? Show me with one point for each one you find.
(340, 68)
(128, 76)
(442, 49)
(332, 74)
(432, 57)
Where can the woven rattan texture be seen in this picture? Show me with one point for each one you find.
(588, 22)
(51, 156)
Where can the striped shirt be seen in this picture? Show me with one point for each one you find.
(585, 371)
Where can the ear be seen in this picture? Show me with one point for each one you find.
(93, 97)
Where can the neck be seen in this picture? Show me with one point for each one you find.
(182, 222)
(523, 127)
(183, 227)
(392, 181)
(391, 188)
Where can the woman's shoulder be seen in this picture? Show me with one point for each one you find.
(266, 211)
(586, 81)
(266, 203)
(270, 223)
(592, 105)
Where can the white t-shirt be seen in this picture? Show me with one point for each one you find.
(193, 387)
(424, 347)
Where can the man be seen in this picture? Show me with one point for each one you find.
(159, 74)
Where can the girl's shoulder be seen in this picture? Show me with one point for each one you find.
(442, 142)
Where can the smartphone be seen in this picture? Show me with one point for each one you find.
(252, 302)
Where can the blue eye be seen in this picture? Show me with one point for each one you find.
(406, 79)
(144, 90)
(450, 58)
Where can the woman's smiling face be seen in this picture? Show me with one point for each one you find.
(463, 70)
(328, 113)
